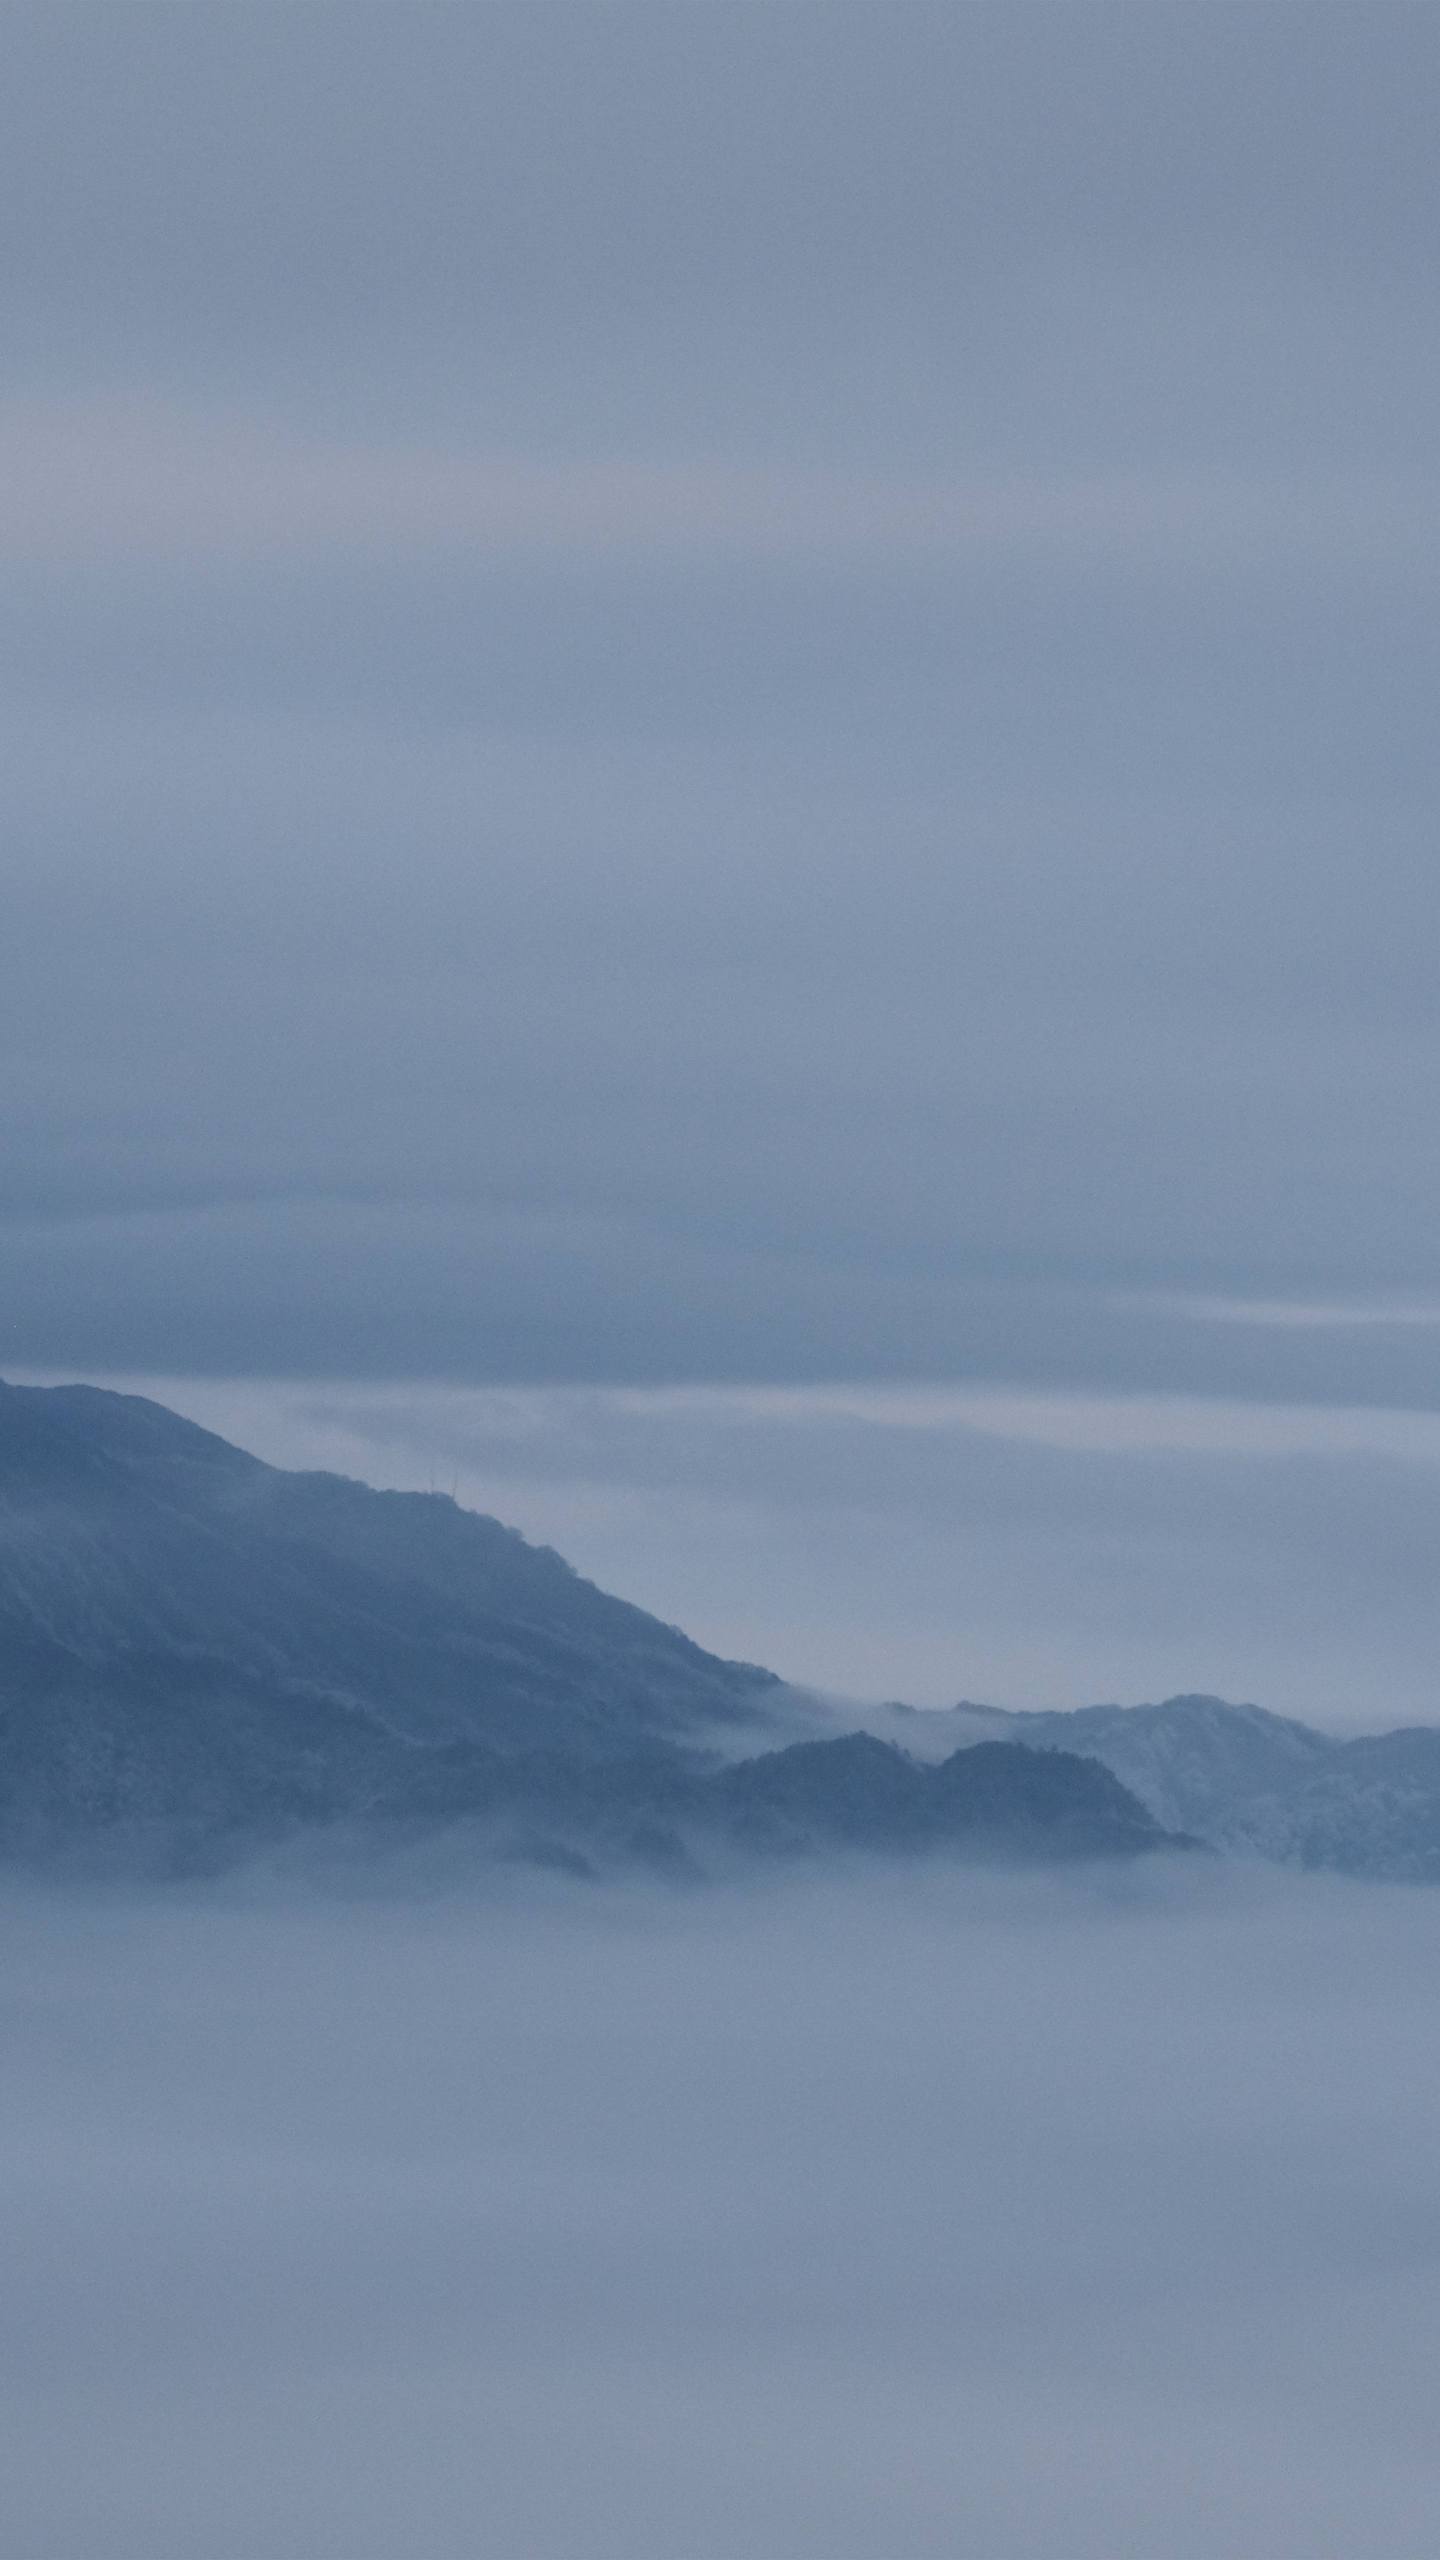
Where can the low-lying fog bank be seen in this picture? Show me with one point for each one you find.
(1022, 2218)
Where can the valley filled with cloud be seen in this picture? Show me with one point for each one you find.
(822, 2221)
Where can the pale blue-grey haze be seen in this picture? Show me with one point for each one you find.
(720, 782)
(706, 698)
(1025, 2219)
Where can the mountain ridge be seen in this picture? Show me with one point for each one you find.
(199, 1650)
(1237, 1776)
(124, 1527)
(197, 1646)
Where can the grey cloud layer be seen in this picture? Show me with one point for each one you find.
(1047, 2222)
(719, 694)
(433, 171)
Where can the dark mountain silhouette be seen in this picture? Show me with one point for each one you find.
(1237, 1777)
(132, 1542)
(871, 1794)
(199, 1651)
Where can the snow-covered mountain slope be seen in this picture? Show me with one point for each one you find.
(1370, 1807)
(1235, 1776)
(1193, 1760)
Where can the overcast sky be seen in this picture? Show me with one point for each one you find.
(707, 696)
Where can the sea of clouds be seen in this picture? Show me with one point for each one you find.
(869, 2219)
